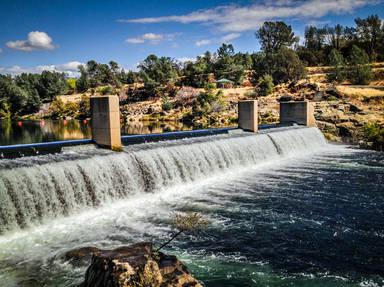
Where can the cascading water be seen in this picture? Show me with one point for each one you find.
(61, 184)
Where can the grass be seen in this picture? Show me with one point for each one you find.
(367, 94)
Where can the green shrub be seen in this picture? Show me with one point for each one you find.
(374, 133)
(337, 73)
(5, 111)
(209, 101)
(265, 85)
(60, 110)
(251, 94)
(70, 86)
(331, 99)
(360, 72)
(166, 105)
(105, 90)
(84, 107)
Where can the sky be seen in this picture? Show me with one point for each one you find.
(38, 35)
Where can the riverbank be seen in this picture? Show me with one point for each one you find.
(343, 112)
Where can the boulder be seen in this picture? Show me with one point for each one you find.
(135, 265)
(354, 108)
(285, 98)
(81, 256)
(346, 130)
(326, 127)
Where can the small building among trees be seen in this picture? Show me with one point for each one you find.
(224, 83)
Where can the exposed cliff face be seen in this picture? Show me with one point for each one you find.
(136, 265)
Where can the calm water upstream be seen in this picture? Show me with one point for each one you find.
(285, 209)
(22, 132)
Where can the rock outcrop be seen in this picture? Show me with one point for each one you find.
(136, 265)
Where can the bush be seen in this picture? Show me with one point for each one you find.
(331, 99)
(70, 86)
(186, 96)
(166, 105)
(105, 90)
(265, 85)
(84, 107)
(5, 111)
(60, 110)
(209, 101)
(374, 133)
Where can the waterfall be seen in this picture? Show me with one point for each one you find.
(35, 189)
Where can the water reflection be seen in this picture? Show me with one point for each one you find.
(21, 132)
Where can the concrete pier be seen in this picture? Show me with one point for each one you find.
(106, 121)
(301, 113)
(248, 115)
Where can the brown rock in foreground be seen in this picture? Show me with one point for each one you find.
(136, 266)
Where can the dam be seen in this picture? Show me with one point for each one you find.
(34, 189)
(284, 206)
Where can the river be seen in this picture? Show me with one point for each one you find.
(29, 131)
(285, 209)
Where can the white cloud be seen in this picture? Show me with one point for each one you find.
(236, 18)
(230, 37)
(151, 38)
(70, 68)
(203, 42)
(186, 59)
(36, 41)
(134, 41)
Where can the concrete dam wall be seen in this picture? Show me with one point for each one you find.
(36, 189)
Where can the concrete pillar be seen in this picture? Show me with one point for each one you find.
(248, 115)
(301, 113)
(106, 121)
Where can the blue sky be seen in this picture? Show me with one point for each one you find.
(53, 34)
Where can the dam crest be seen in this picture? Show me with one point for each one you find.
(33, 189)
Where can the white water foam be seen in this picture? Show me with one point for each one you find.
(61, 186)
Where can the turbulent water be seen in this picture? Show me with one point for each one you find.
(286, 209)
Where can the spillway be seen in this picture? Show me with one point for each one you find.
(34, 189)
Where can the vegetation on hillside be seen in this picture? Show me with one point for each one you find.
(348, 50)
(374, 135)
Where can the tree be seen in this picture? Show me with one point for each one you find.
(360, 72)
(157, 72)
(30, 83)
(369, 32)
(314, 38)
(226, 67)
(336, 60)
(265, 85)
(260, 66)
(129, 77)
(196, 73)
(244, 59)
(275, 35)
(12, 97)
(51, 84)
(82, 83)
(286, 66)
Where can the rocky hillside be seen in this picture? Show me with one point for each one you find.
(341, 111)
